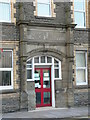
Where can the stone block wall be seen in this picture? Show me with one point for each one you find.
(81, 36)
(60, 95)
(10, 32)
(31, 95)
(81, 97)
(81, 92)
(10, 102)
(25, 12)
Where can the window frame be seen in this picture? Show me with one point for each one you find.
(81, 11)
(57, 68)
(47, 64)
(30, 68)
(82, 68)
(8, 2)
(8, 69)
(50, 9)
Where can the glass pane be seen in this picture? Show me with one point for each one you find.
(5, 1)
(56, 71)
(80, 60)
(56, 65)
(79, 18)
(80, 76)
(38, 98)
(7, 59)
(46, 97)
(37, 79)
(43, 1)
(79, 4)
(29, 66)
(29, 74)
(46, 79)
(5, 11)
(49, 60)
(42, 59)
(43, 9)
(55, 61)
(5, 78)
(36, 60)
(29, 62)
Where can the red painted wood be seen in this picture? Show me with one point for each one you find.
(42, 90)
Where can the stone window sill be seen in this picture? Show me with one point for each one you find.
(9, 91)
(43, 17)
(82, 87)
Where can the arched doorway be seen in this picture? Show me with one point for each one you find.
(43, 70)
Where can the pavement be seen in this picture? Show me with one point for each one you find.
(49, 112)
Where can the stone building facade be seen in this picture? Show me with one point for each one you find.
(45, 55)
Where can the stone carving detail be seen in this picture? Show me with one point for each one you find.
(48, 35)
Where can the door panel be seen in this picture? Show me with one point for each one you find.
(38, 97)
(46, 78)
(43, 86)
(46, 98)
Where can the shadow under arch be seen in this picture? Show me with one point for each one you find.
(46, 52)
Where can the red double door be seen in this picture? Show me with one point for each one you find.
(43, 87)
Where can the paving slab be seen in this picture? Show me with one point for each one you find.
(65, 113)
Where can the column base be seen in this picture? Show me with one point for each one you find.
(24, 101)
(70, 98)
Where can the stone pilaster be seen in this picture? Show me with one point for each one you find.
(23, 74)
(31, 95)
(70, 43)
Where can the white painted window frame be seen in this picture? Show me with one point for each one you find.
(83, 68)
(59, 68)
(32, 76)
(81, 11)
(50, 10)
(43, 64)
(8, 2)
(8, 69)
(30, 69)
